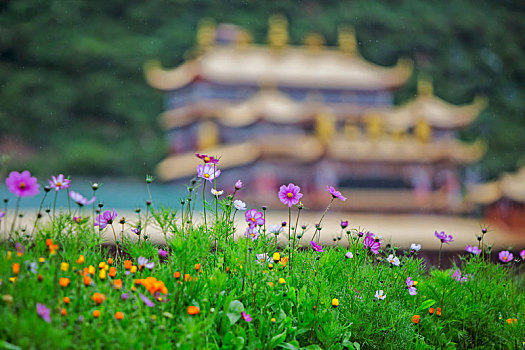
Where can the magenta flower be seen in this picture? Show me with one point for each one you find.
(473, 249)
(22, 184)
(124, 296)
(43, 312)
(290, 195)
(162, 253)
(20, 248)
(522, 253)
(457, 276)
(505, 256)
(372, 242)
(207, 172)
(443, 237)
(146, 301)
(59, 182)
(207, 159)
(252, 233)
(105, 219)
(344, 224)
(411, 286)
(238, 185)
(316, 247)
(335, 193)
(80, 199)
(246, 316)
(254, 217)
(2, 214)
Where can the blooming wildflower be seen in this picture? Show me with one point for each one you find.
(316, 247)
(335, 193)
(124, 296)
(431, 311)
(290, 195)
(473, 249)
(522, 254)
(43, 312)
(246, 316)
(63, 312)
(380, 295)
(349, 255)
(105, 219)
(176, 274)
(134, 269)
(145, 263)
(411, 286)
(96, 314)
(505, 256)
(66, 300)
(64, 282)
(207, 159)
(262, 257)
(443, 237)
(273, 320)
(239, 205)
(438, 311)
(197, 267)
(112, 272)
(216, 193)
(276, 257)
(238, 185)
(110, 261)
(33, 267)
(193, 310)
(457, 276)
(22, 184)
(20, 249)
(208, 172)
(136, 230)
(41, 260)
(344, 224)
(415, 247)
(91, 269)
(117, 284)
(146, 301)
(64, 266)
(254, 217)
(511, 320)
(80, 199)
(128, 264)
(415, 319)
(162, 253)
(59, 182)
(2, 214)
(282, 281)
(87, 280)
(77, 219)
(119, 315)
(98, 298)
(335, 302)
(15, 268)
(283, 261)
(371, 242)
(270, 284)
(275, 229)
(252, 233)
(394, 260)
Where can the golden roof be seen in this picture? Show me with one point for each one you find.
(290, 66)
(511, 186)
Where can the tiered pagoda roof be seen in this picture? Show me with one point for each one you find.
(510, 186)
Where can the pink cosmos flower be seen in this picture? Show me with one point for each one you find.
(473, 249)
(207, 159)
(105, 219)
(207, 172)
(80, 199)
(43, 311)
(522, 254)
(505, 256)
(22, 184)
(254, 218)
(335, 193)
(457, 276)
(2, 214)
(59, 182)
(290, 195)
(372, 242)
(316, 247)
(246, 317)
(252, 233)
(443, 237)
(411, 286)
(162, 253)
(344, 224)
(238, 185)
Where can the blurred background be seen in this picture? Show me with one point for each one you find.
(92, 89)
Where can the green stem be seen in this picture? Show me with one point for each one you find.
(14, 218)
(54, 204)
(204, 206)
(38, 213)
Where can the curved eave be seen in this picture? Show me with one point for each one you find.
(513, 187)
(485, 193)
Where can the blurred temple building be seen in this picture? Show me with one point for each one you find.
(313, 115)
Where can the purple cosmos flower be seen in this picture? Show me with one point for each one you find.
(344, 224)
(457, 276)
(254, 217)
(372, 242)
(238, 185)
(522, 254)
(59, 182)
(22, 184)
(252, 233)
(208, 172)
(246, 316)
(20, 249)
(335, 193)
(32, 266)
(473, 249)
(380, 295)
(2, 214)
(146, 301)
(443, 237)
(316, 247)
(290, 195)
(80, 199)
(162, 253)
(145, 263)
(105, 219)
(505, 256)
(349, 255)
(411, 286)
(136, 230)
(207, 159)
(43, 312)
(124, 296)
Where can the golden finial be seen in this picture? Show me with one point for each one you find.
(314, 42)
(374, 126)
(278, 32)
(424, 85)
(207, 135)
(347, 41)
(325, 126)
(243, 39)
(423, 131)
(205, 33)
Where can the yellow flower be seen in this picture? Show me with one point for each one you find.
(133, 269)
(102, 274)
(335, 302)
(80, 259)
(273, 320)
(282, 281)
(12, 279)
(8, 255)
(41, 260)
(415, 283)
(91, 270)
(102, 265)
(276, 257)
(64, 266)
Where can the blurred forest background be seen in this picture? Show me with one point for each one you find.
(73, 97)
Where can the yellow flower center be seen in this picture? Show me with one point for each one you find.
(253, 219)
(59, 184)
(289, 195)
(253, 235)
(206, 175)
(206, 159)
(22, 185)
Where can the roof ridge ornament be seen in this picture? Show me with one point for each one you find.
(425, 85)
(278, 32)
(205, 34)
(347, 40)
(314, 42)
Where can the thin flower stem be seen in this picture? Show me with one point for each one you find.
(14, 218)
(318, 227)
(439, 259)
(38, 213)
(68, 202)
(289, 229)
(204, 206)
(116, 242)
(294, 237)
(55, 204)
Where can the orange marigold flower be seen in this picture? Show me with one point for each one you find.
(227, 269)
(80, 259)
(197, 267)
(176, 274)
(193, 310)
(87, 280)
(112, 272)
(64, 266)
(49, 242)
(16, 268)
(66, 300)
(98, 298)
(119, 315)
(63, 312)
(187, 277)
(91, 270)
(271, 284)
(284, 261)
(102, 265)
(511, 320)
(110, 261)
(133, 269)
(64, 282)
(415, 319)
(438, 312)
(117, 284)
(96, 314)
(431, 311)
(127, 264)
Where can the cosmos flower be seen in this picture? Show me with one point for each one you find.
(415, 247)
(443, 237)
(393, 260)
(349, 255)
(411, 286)
(344, 224)
(2, 214)
(105, 219)
(239, 205)
(457, 276)
(238, 185)
(335, 193)
(80, 199)
(162, 253)
(145, 263)
(246, 316)
(505, 256)
(208, 172)
(22, 184)
(252, 233)
(380, 295)
(262, 258)
(473, 249)
(522, 254)
(216, 193)
(316, 247)
(44, 312)
(207, 159)
(254, 217)
(372, 242)
(290, 195)
(59, 182)
(275, 229)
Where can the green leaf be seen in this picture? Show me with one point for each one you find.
(276, 340)
(426, 304)
(9, 346)
(293, 345)
(234, 311)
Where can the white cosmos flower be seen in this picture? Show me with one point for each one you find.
(349, 255)
(415, 247)
(239, 205)
(380, 294)
(275, 229)
(394, 260)
(216, 193)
